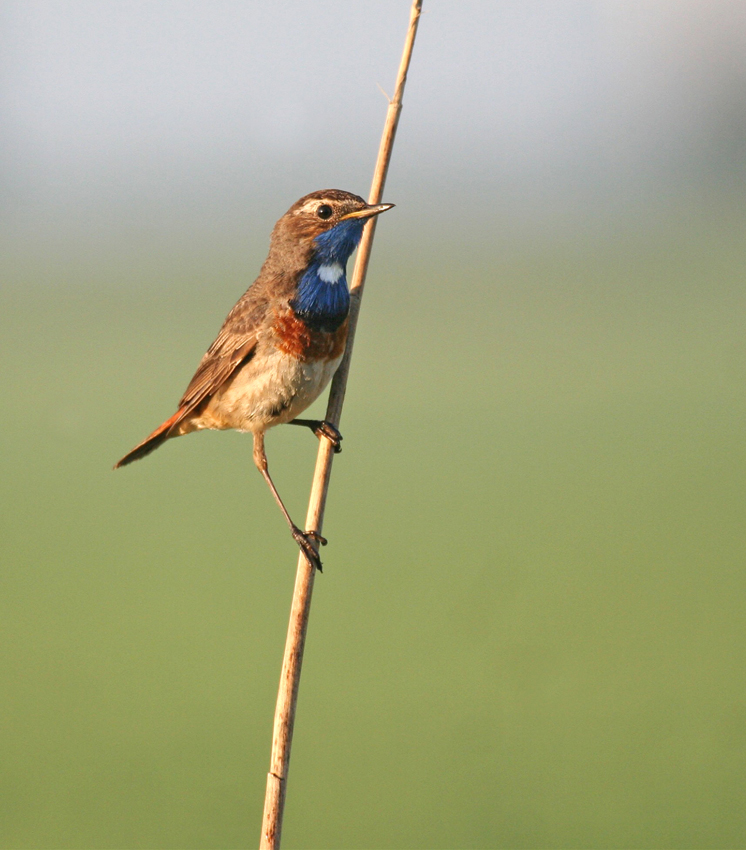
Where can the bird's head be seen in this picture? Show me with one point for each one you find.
(326, 225)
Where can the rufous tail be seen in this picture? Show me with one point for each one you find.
(151, 443)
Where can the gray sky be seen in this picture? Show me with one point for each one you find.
(196, 109)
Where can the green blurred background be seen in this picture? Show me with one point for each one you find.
(530, 627)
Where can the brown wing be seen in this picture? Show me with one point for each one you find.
(223, 357)
(234, 345)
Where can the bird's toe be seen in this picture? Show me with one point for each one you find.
(304, 541)
(331, 433)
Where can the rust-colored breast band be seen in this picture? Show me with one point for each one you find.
(295, 338)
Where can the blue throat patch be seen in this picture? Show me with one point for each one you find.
(323, 305)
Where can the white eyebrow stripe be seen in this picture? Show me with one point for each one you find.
(331, 273)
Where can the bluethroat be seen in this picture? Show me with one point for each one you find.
(283, 341)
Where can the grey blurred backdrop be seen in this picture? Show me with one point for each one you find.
(530, 631)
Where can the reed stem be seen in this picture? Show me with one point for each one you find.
(287, 696)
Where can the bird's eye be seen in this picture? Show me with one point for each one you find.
(324, 211)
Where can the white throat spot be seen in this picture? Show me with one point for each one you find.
(331, 273)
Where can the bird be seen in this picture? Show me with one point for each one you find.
(283, 340)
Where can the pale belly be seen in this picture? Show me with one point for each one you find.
(269, 390)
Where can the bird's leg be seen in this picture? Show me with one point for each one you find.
(322, 428)
(302, 538)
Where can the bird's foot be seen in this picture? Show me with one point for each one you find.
(331, 432)
(317, 537)
(305, 539)
(322, 428)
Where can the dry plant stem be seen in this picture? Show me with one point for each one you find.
(287, 696)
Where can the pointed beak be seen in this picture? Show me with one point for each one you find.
(368, 212)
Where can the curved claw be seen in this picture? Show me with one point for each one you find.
(303, 539)
(317, 537)
(326, 429)
(322, 428)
